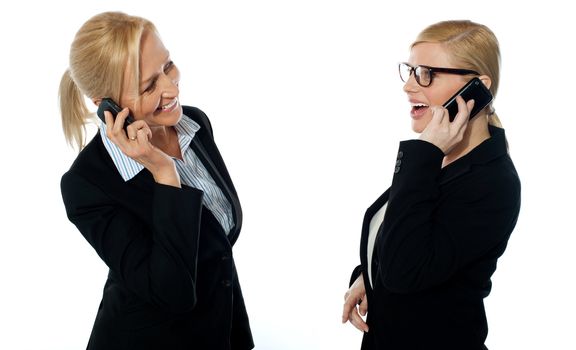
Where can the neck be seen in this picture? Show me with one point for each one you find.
(476, 133)
(166, 139)
(162, 135)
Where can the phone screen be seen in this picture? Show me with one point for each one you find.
(474, 89)
(107, 104)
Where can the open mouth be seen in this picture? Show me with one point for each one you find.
(169, 106)
(418, 109)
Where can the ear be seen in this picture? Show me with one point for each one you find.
(486, 80)
(97, 101)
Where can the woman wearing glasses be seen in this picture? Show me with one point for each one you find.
(430, 242)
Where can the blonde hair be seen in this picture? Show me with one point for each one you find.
(100, 52)
(472, 46)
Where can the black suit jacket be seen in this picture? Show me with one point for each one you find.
(172, 282)
(438, 245)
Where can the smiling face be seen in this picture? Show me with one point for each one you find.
(442, 88)
(157, 99)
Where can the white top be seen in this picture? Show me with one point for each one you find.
(375, 224)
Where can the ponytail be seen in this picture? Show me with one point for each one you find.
(73, 110)
(493, 118)
(495, 121)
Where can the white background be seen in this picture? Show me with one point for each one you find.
(308, 110)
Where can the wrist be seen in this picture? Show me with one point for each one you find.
(167, 175)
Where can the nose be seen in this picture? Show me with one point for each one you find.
(169, 85)
(411, 85)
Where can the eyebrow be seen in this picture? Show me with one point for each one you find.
(155, 75)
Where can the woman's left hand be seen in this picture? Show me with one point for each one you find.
(356, 305)
(443, 133)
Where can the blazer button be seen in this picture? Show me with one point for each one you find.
(226, 283)
(398, 162)
(400, 155)
(397, 170)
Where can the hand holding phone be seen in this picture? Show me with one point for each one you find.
(107, 104)
(475, 90)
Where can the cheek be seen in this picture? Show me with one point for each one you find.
(145, 108)
(443, 92)
(442, 98)
(149, 105)
(437, 97)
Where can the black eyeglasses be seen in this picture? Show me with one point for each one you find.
(424, 74)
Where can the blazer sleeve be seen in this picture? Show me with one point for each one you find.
(426, 239)
(157, 263)
(355, 274)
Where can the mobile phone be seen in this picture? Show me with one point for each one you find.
(474, 89)
(108, 104)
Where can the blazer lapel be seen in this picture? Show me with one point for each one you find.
(214, 171)
(365, 233)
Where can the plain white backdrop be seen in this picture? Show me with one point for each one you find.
(308, 110)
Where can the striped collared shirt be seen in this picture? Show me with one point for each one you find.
(191, 170)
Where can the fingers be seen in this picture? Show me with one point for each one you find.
(115, 125)
(348, 306)
(355, 300)
(109, 122)
(134, 140)
(350, 312)
(363, 307)
(443, 133)
(350, 303)
(357, 321)
(464, 109)
(438, 114)
(118, 127)
(470, 104)
(139, 131)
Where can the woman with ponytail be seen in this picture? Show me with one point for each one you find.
(430, 243)
(153, 199)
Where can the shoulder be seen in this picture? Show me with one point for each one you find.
(197, 115)
(492, 167)
(92, 163)
(89, 154)
(504, 176)
(496, 182)
(94, 153)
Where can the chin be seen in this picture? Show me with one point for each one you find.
(169, 118)
(178, 113)
(418, 126)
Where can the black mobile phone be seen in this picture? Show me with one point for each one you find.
(474, 89)
(108, 104)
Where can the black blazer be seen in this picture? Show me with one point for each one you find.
(437, 247)
(172, 282)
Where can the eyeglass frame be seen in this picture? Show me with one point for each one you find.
(433, 70)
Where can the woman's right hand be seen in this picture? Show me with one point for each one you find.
(443, 133)
(356, 305)
(135, 143)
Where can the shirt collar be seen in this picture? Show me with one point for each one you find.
(127, 167)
